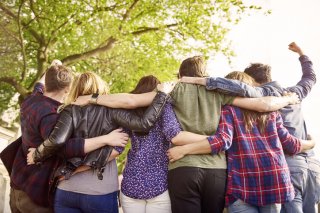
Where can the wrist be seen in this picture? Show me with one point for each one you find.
(94, 98)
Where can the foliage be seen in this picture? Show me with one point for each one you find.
(121, 40)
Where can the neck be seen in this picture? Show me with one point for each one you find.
(58, 96)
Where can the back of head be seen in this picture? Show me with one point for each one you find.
(86, 84)
(193, 67)
(241, 76)
(146, 84)
(260, 72)
(57, 78)
(249, 117)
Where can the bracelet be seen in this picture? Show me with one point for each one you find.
(94, 98)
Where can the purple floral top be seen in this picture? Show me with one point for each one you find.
(145, 173)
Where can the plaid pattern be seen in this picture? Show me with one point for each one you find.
(38, 118)
(257, 170)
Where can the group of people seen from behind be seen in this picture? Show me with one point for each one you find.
(198, 145)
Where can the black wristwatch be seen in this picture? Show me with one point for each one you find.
(94, 98)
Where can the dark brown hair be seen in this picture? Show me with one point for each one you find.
(57, 78)
(193, 67)
(260, 72)
(250, 117)
(146, 84)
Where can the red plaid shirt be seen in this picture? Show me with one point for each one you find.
(38, 118)
(257, 170)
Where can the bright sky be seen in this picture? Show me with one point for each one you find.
(265, 39)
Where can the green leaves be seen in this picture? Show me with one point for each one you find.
(120, 40)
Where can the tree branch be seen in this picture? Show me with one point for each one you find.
(12, 15)
(23, 50)
(10, 34)
(81, 56)
(150, 29)
(127, 13)
(19, 88)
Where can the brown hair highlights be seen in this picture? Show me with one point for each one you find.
(146, 84)
(57, 78)
(250, 117)
(260, 72)
(193, 67)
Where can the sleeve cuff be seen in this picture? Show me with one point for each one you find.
(304, 58)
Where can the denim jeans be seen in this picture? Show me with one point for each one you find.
(240, 206)
(305, 177)
(71, 202)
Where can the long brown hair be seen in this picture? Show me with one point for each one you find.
(250, 117)
(146, 84)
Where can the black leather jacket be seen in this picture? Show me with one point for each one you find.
(94, 120)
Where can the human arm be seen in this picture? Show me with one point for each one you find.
(266, 104)
(185, 137)
(227, 86)
(308, 79)
(178, 152)
(220, 141)
(307, 144)
(132, 121)
(60, 136)
(120, 100)
(290, 144)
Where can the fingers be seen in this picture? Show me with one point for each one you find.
(294, 98)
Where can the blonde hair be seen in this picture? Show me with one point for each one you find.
(86, 84)
(250, 117)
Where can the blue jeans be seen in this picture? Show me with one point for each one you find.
(240, 206)
(71, 202)
(305, 177)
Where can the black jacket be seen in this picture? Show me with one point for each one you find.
(94, 120)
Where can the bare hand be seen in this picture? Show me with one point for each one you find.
(117, 138)
(293, 97)
(193, 80)
(175, 153)
(166, 87)
(30, 154)
(82, 100)
(295, 48)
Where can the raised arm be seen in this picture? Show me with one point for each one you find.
(308, 79)
(266, 104)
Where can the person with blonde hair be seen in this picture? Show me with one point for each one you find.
(258, 175)
(304, 167)
(94, 189)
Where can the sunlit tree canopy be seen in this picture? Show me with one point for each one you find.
(119, 40)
